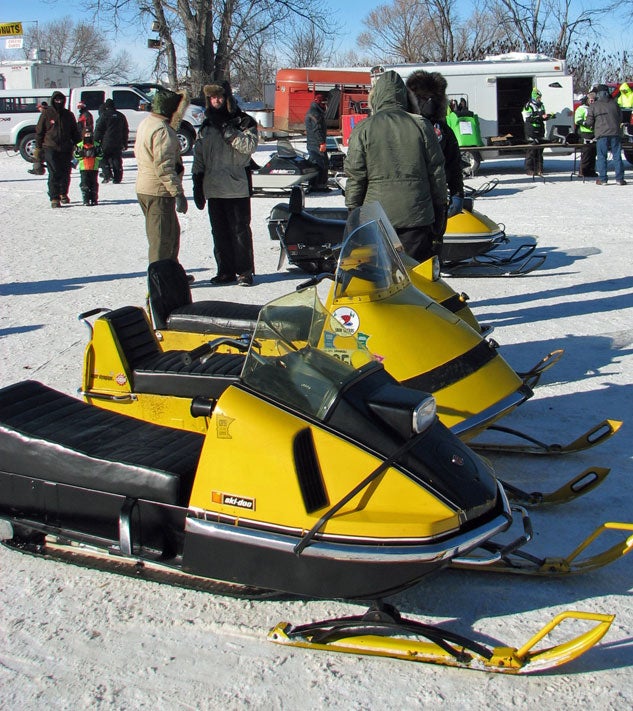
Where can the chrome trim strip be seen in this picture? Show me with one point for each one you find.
(389, 551)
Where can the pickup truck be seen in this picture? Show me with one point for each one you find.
(17, 128)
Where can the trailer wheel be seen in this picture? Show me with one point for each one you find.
(628, 154)
(27, 147)
(471, 161)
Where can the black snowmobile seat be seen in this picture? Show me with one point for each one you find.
(45, 434)
(173, 308)
(150, 370)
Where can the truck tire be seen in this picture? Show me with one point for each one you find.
(628, 154)
(27, 147)
(186, 138)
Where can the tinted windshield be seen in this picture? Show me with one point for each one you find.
(288, 359)
(369, 265)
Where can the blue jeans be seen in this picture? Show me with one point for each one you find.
(606, 144)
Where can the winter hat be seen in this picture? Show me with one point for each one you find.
(213, 90)
(81, 105)
(58, 96)
(170, 104)
(109, 104)
(221, 88)
(427, 93)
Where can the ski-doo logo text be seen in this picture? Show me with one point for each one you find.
(240, 502)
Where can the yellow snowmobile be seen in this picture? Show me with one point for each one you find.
(377, 493)
(420, 343)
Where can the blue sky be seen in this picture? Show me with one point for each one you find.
(347, 15)
(135, 41)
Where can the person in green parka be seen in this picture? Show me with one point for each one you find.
(394, 158)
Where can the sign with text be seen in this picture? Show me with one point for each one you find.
(14, 43)
(10, 29)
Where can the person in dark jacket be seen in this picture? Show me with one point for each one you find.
(85, 121)
(56, 135)
(429, 94)
(316, 135)
(221, 177)
(604, 117)
(394, 158)
(112, 132)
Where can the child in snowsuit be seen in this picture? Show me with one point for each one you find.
(88, 153)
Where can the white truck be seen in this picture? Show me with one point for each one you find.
(19, 113)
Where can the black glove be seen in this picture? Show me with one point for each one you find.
(439, 221)
(198, 191)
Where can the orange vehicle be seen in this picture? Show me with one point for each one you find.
(347, 91)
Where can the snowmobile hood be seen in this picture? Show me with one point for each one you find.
(389, 92)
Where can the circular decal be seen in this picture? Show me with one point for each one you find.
(345, 321)
(120, 379)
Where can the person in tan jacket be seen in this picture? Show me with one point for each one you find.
(159, 187)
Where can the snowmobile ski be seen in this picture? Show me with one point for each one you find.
(522, 563)
(477, 267)
(532, 377)
(580, 485)
(593, 437)
(382, 632)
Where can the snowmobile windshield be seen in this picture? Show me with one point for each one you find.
(300, 355)
(369, 267)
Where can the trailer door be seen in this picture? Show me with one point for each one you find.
(558, 98)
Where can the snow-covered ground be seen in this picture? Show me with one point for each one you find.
(73, 638)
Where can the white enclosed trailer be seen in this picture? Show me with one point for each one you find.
(39, 74)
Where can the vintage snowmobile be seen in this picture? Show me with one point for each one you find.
(126, 369)
(310, 239)
(285, 168)
(377, 493)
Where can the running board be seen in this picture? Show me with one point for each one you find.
(382, 632)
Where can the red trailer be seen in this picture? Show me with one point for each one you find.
(347, 91)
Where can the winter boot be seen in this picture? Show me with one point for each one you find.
(64, 199)
(55, 203)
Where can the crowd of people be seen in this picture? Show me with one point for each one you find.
(64, 141)
(404, 155)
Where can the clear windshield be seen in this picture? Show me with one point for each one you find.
(369, 265)
(287, 360)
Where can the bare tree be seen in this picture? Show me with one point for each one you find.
(68, 43)
(212, 35)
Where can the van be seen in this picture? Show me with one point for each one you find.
(19, 114)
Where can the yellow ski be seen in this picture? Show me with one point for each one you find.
(384, 633)
(523, 563)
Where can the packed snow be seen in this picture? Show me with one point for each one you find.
(74, 638)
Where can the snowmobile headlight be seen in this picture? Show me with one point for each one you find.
(424, 415)
(401, 409)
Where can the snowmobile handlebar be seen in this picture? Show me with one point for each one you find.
(313, 281)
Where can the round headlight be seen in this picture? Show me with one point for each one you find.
(424, 415)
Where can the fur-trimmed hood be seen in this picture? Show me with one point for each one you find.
(427, 93)
(172, 105)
